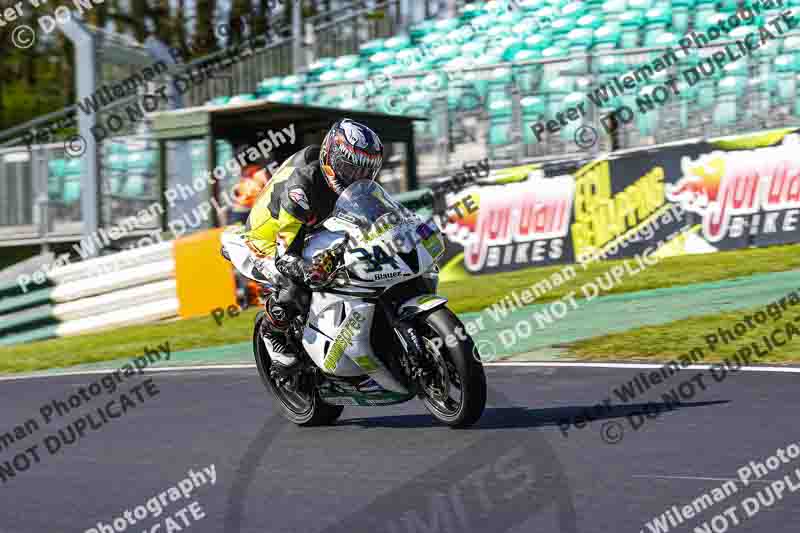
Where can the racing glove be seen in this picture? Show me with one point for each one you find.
(292, 267)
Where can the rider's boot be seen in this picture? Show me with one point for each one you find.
(274, 332)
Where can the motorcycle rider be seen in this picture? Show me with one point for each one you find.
(301, 195)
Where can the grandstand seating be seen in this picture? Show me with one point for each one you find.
(522, 53)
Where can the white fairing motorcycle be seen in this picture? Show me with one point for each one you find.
(376, 333)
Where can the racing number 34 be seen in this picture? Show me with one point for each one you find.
(376, 259)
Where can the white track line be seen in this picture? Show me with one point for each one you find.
(694, 478)
(544, 364)
(790, 369)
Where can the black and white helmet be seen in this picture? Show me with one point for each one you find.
(350, 152)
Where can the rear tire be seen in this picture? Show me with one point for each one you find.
(304, 408)
(443, 322)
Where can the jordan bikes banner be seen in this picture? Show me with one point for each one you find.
(698, 197)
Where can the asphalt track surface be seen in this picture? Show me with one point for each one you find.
(392, 469)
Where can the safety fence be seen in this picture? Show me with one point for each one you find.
(144, 285)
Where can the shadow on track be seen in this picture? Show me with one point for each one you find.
(521, 417)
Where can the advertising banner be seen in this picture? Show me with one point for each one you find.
(697, 197)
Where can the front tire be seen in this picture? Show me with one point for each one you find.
(302, 407)
(459, 366)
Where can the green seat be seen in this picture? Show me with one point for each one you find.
(370, 48)
(446, 25)
(606, 36)
(646, 118)
(409, 56)
(392, 103)
(547, 13)
(356, 74)
(398, 42)
(116, 163)
(347, 62)
(538, 41)
(294, 82)
(533, 111)
(73, 167)
(562, 26)
(680, 19)
(443, 54)
(500, 126)
(394, 70)
(421, 29)
(527, 26)
(630, 21)
(555, 92)
(433, 82)
(320, 65)
(510, 18)
(732, 85)
(530, 6)
(615, 7)
(473, 49)
(510, 46)
(72, 190)
(591, 21)
(657, 17)
(57, 167)
(574, 10)
(470, 11)
(381, 59)
(725, 111)
(580, 37)
(331, 75)
(786, 68)
(705, 93)
(500, 31)
(142, 161)
(286, 97)
(567, 132)
(218, 101)
(702, 17)
(271, 84)
(483, 22)
(463, 99)
(116, 147)
(134, 186)
(242, 98)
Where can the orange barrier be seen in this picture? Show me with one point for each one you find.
(205, 279)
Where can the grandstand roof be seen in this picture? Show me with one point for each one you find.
(239, 124)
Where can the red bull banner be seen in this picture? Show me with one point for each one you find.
(697, 197)
(743, 196)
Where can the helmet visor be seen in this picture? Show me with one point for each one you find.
(348, 172)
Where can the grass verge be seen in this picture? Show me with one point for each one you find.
(464, 296)
(669, 272)
(201, 332)
(669, 341)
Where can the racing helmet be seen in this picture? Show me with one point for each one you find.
(350, 152)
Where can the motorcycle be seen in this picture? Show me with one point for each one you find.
(376, 333)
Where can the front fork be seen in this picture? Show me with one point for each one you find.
(417, 365)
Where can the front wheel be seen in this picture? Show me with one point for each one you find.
(456, 392)
(302, 406)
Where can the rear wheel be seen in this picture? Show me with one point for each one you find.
(302, 404)
(456, 392)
